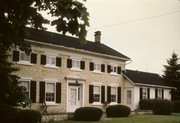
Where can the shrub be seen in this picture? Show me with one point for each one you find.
(88, 114)
(176, 106)
(145, 104)
(8, 114)
(162, 106)
(118, 111)
(29, 116)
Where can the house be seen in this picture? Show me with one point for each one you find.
(140, 85)
(66, 75)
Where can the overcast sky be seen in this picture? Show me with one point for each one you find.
(147, 31)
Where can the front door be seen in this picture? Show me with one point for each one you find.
(74, 98)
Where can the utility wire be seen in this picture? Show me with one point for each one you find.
(140, 19)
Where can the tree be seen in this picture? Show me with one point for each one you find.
(172, 75)
(72, 17)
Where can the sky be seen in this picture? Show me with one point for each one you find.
(147, 31)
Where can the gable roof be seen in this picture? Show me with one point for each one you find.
(71, 42)
(144, 78)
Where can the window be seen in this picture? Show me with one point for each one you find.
(159, 93)
(113, 94)
(24, 57)
(50, 60)
(50, 92)
(26, 84)
(144, 93)
(97, 67)
(75, 64)
(129, 97)
(96, 93)
(113, 69)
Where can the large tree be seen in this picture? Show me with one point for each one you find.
(172, 74)
(71, 17)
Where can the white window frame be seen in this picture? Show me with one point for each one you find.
(159, 93)
(144, 93)
(97, 85)
(50, 102)
(129, 99)
(25, 62)
(75, 66)
(114, 69)
(29, 86)
(97, 67)
(50, 64)
(116, 89)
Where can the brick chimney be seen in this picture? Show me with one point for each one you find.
(97, 36)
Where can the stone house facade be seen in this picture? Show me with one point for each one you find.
(67, 75)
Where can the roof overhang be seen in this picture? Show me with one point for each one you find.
(79, 50)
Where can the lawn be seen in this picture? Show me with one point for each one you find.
(174, 118)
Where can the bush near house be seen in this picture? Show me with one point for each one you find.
(88, 114)
(176, 106)
(145, 104)
(29, 116)
(118, 111)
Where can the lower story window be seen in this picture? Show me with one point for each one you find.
(96, 93)
(50, 92)
(113, 94)
(129, 97)
(26, 84)
(159, 93)
(144, 93)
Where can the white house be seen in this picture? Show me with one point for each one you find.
(143, 85)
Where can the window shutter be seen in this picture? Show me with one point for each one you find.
(69, 63)
(102, 68)
(43, 59)
(15, 56)
(156, 93)
(119, 70)
(91, 99)
(42, 92)
(109, 68)
(148, 93)
(33, 58)
(119, 95)
(58, 92)
(140, 93)
(162, 93)
(33, 91)
(91, 66)
(82, 65)
(58, 61)
(108, 94)
(102, 94)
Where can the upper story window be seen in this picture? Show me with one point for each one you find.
(114, 69)
(50, 61)
(23, 58)
(76, 64)
(97, 67)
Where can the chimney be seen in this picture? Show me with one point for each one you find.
(97, 36)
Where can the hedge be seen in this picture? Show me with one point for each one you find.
(88, 114)
(176, 106)
(118, 111)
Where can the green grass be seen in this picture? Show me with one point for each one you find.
(174, 118)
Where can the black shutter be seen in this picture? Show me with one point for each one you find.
(102, 68)
(140, 94)
(33, 58)
(108, 94)
(82, 65)
(91, 99)
(91, 66)
(156, 93)
(15, 56)
(119, 70)
(43, 59)
(162, 93)
(102, 94)
(119, 95)
(148, 93)
(109, 68)
(69, 63)
(33, 91)
(58, 61)
(58, 92)
(42, 92)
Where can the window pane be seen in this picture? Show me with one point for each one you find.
(24, 56)
(96, 90)
(50, 87)
(50, 97)
(53, 60)
(129, 96)
(113, 90)
(48, 60)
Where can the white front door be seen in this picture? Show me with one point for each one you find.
(74, 98)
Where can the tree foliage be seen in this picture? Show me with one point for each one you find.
(172, 74)
(71, 16)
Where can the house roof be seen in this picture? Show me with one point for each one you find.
(71, 42)
(144, 78)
